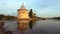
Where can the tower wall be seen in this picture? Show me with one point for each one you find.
(23, 14)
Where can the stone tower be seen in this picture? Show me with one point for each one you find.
(23, 13)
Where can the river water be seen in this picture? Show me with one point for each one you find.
(29, 27)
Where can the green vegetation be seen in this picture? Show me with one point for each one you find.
(31, 13)
(10, 17)
(56, 18)
(1, 16)
(4, 17)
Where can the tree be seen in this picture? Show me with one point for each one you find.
(1, 16)
(34, 13)
(9, 17)
(31, 13)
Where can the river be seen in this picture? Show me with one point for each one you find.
(29, 27)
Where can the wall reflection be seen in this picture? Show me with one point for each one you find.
(23, 25)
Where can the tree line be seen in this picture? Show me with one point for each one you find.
(6, 17)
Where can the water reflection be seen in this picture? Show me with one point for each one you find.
(29, 27)
(1, 24)
(23, 25)
(3, 30)
(30, 24)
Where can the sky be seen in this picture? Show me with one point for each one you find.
(42, 8)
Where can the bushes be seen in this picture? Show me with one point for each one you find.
(7, 17)
(1, 16)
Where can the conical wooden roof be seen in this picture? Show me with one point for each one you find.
(22, 7)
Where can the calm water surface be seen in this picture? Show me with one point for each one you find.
(29, 27)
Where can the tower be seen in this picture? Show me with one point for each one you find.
(23, 13)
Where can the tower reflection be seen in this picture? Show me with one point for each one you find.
(23, 25)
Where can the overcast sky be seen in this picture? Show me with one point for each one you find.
(43, 8)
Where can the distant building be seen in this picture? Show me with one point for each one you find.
(23, 13)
